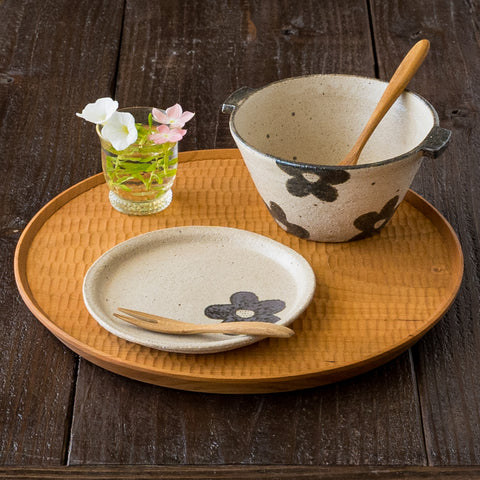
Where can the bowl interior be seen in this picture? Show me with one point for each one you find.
(316, 119)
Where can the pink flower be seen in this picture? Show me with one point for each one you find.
(173, 116)
(166, 134)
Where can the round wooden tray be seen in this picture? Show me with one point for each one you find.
(374, 298)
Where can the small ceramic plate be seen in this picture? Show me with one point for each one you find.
(198, 275)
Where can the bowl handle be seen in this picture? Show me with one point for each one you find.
(436, 142)
(236, 98)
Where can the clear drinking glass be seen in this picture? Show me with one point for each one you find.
(140, 178)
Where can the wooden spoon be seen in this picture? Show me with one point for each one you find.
(155, 323)
(400, 79)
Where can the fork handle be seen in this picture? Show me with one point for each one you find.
(244, 328)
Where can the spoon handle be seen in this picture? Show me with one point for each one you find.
(156, 323)
(400, 79)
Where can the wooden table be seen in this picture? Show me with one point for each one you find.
(61, 416)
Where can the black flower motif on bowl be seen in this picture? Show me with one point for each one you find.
(279, 215)
(245, 306)
(321, 185)
(372, 222)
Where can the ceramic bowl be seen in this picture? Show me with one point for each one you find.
(293, 133)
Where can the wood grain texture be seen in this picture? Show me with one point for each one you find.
(339, 424)
(446, 361)
(353, 324)
(46, 48)
(197, 53)
(144, 472)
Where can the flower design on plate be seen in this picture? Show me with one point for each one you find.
(320, 183)
(245, 306)
(372, 222)
(279, 215)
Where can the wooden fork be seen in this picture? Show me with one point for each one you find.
(156, 323)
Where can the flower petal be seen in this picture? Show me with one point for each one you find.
(174, 111)
(244, 300)
(185, 117)
(269, 307)
(163, 129)
(220, 312)
(120, 130)
(166, 134)
(176, 134)
(100, 111)
(158, 138)
(159, 116)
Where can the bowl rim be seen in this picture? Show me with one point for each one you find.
(310, 166)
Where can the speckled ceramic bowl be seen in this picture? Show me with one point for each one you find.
(293, 133)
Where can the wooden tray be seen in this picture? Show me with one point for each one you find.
(374, 298)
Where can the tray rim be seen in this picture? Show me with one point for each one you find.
(210, 383)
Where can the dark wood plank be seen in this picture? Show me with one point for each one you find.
(446, 360)
(197, 53)
(54, 56)
(372, 419)
(143, 472)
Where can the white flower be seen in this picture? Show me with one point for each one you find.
(120, 130)
(100, 111)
